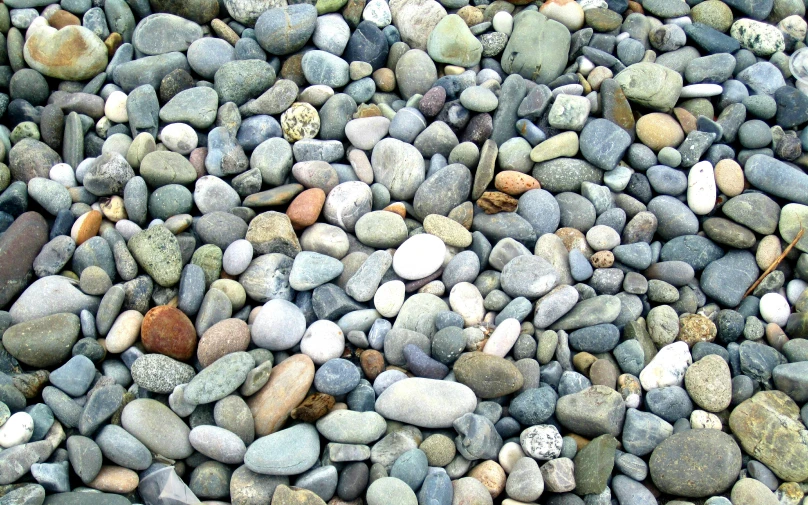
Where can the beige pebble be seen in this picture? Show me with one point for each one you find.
(729, 177)
(115, 479)
(700, 419)
(769, 248)
(113, 208)
(597, 76)
(658, 130)
(124, 332)
(509, 455)
(491, 475)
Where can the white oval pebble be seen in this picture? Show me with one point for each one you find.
(602, 238)
(701, 188)
(503, 22)
(503, 338)
(774, 308)
(466, 300)
(124, 332)
(63, 174)
(115, 107)
(179, 137)
(701, 91)
(322, 341)
(389, 298)
(237, 257)
(17, 430)
(419, 256)
(794, 289)
(700, 419)
(510, 453)
(668, 367)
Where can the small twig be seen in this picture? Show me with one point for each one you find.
(776, 262)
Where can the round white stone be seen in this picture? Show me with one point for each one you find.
(701, 188)
(322, 341)
(279, 325)
(237, 257)
(378, 13)
(602, 238)
(115, 107)
(419, 256)
(389, 298)
(63, 174)
(466, 300)
(179, 137)
(668, 367)
(542, 441)
(503, 22)
(17, 430)
(774, 308)
(503, 338)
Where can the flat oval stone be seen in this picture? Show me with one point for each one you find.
(288, 452)
(160, 374)
(164, 33)
(218, 444)
(438, 403)
(288, 385)
(351, 427)
(768, 428)
(419, 256)
(696, 463)
(488, 376)
(157, 427)
(219, 379)
(43, 342)
(19, 246)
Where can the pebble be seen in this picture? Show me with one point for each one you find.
(229, 190)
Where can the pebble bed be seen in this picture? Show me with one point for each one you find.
(361, 252)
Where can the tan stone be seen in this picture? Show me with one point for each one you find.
(305, 208)
(115, 479)
(729, 177)
(494, 202)
(491, 475)
(515, 183)
(62, 18)
(694, 328)
(86, 227)
(287, 387)
(602, 259)
(285, 495)
(224, 337)
(113, 208)
(769, 248)
(658, 130)
(73, 53)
